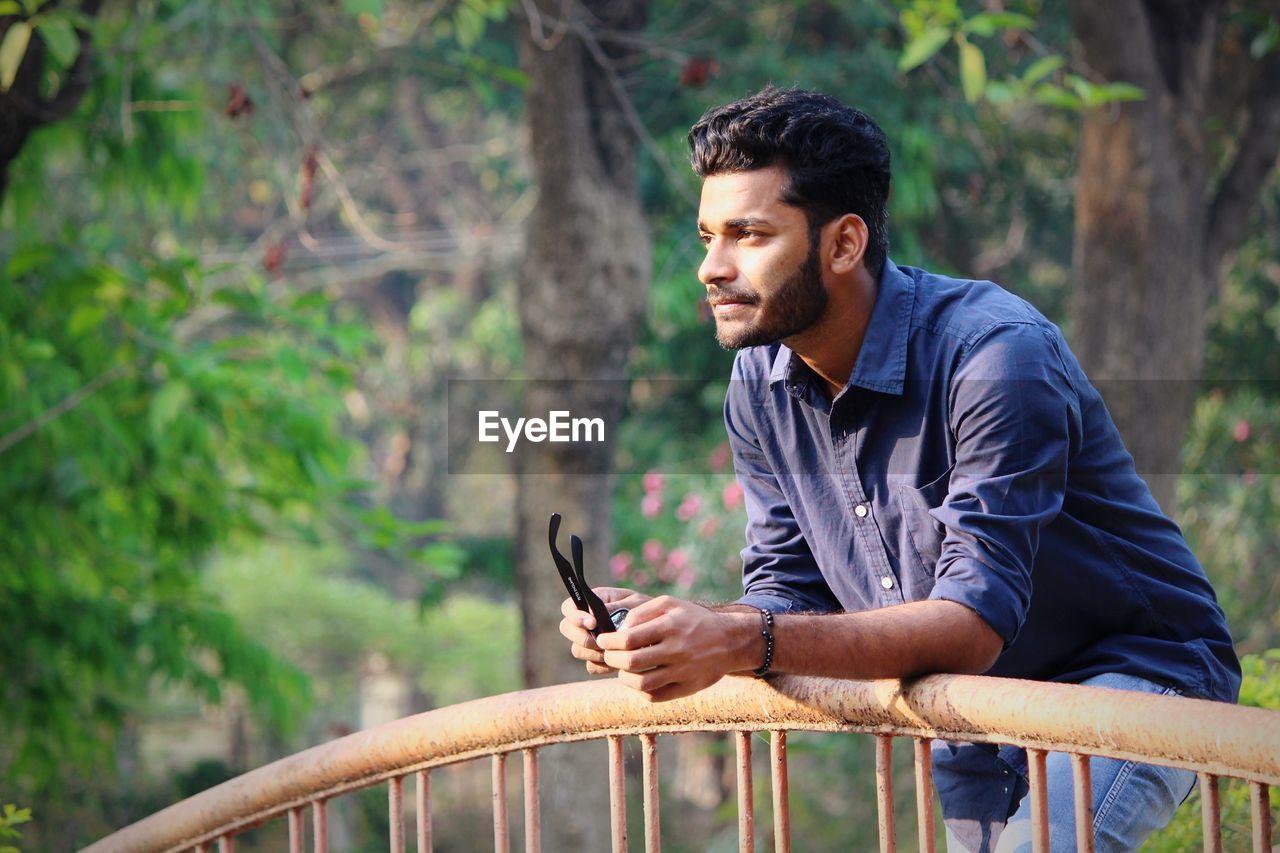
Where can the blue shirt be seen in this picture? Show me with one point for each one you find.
(969, 459)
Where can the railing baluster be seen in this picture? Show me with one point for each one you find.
(884, 792)
(226, 844)
(295, 830)
(1083, 784)
(781, 793)
(1210, 813)
(617, 795)
(1039, 801)
(320, 826)
(532, 804)
(501, 828)
(1260, 805)
(395, 813)
(424, 811)
(924, 794)
(649, 760)
(746, 798)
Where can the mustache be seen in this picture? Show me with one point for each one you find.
(714, 296)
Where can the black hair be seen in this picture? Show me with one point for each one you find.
(836, 156)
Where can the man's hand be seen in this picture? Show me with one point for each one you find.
(670, 648)
(576, 625)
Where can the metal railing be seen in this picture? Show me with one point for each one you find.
(1213, 739)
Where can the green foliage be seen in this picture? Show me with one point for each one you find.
(931, 24)
(333, 621)
(1260, 689)
(12, 817)
(1230, 501)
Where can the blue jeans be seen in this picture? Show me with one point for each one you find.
(986, 809)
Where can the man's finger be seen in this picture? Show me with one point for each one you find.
(632, 636)
(599, 669)
(637, 661)
(648, 681)
(587, 654)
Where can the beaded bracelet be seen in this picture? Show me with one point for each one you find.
(766, 631)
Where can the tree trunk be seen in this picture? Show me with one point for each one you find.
(583, 290)
(1150, 233)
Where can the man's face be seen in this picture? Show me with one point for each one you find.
(762, 270)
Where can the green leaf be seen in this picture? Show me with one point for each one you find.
(973, 72)
(12, 49)
(61, 39)
(470, 26)
(10, 7)
(988, 23)
(292, 365)
(1056, 96)
(920, 49)
(1112, 92)
(167, 404)
(1000, 92)
(1040, 69)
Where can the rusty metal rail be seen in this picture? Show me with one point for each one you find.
(1212, 739)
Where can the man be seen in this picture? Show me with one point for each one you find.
(917, 452)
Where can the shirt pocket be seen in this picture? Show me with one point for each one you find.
(923, 534)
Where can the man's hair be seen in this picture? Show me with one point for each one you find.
(836, 157)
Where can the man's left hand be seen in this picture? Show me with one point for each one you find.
(669, 648)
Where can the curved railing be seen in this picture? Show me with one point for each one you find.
(1213, 739)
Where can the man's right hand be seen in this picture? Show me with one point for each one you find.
(576, 625)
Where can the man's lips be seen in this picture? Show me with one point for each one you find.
(728, 303)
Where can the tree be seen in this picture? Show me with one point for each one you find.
(584, 285)
(1165, 189)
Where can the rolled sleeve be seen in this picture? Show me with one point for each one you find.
(1016, 421)
(779, 572)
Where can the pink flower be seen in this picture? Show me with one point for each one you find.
(719, 457)
(620, 565)
(640, 579)
(732, 495)
(654, 482)
(686, 578)
(1250, 477)
(653, 552)
(651, 505)
(1241, 431)
(676, 563)
(709, 527)
(689, 507)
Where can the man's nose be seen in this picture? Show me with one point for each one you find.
(716, 267)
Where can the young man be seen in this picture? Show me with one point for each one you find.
(917, 452)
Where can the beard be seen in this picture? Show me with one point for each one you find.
(796, 305)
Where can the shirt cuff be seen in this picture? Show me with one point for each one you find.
(980, 590)
(765, 601)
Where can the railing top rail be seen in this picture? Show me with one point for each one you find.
(1197, 735)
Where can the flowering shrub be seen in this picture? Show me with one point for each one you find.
(687, 537)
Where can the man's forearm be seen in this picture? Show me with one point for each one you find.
(894, 642)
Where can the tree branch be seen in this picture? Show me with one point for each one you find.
(1238, 193)
(68, 403)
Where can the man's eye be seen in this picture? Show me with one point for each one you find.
(747, 235)
(704, 239)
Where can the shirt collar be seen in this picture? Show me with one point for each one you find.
(882, 361)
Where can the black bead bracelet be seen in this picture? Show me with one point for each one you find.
(766, 631)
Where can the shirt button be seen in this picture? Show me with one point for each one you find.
(886, 582)
(860, 511)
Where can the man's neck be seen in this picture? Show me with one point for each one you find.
(830, 346)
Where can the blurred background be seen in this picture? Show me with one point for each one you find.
(246, 246)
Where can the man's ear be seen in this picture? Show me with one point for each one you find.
(848, 242)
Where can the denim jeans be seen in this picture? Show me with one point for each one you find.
(986, 809)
